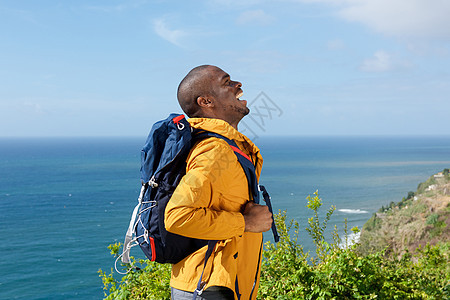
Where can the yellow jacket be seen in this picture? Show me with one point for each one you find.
(207, 204)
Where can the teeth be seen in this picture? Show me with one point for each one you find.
(239, 95)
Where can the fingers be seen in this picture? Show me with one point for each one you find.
(257, 217)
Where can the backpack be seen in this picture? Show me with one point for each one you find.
(163, 164)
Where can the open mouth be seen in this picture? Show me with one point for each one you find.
(238, 95)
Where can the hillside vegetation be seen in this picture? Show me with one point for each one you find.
(420, 218)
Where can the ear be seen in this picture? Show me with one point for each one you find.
(205, 101)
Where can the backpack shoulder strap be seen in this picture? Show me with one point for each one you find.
(249, 170)
(244, 160)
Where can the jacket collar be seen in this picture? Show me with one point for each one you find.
(223, 128)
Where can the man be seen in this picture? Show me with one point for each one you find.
(212, 200)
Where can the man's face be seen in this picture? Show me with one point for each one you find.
(227, 93)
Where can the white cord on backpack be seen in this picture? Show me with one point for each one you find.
(129, 235)
(127, 250)
(131, 242)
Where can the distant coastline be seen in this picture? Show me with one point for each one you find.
(420, 218)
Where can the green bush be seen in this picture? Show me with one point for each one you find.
(144, 280)
(424, 185)
(432, 219)
(410, 195)
(372, 223)
(341, 273)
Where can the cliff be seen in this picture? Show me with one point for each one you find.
(419, 218)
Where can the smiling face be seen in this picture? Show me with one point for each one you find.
(225, 97)
(208, 92)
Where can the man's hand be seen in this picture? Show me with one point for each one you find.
(257, 217)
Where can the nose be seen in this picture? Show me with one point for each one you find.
(238, 84)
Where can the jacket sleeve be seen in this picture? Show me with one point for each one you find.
(192, 211)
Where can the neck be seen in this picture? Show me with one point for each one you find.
(212, 115)
(234, 125)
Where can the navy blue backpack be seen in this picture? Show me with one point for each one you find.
(163, 164)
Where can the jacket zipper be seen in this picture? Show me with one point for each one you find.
(257, 270)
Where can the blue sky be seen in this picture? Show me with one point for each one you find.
(325, 67)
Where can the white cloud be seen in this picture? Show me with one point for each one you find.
(173, 36)
(410, 18)
(403, 18)
(380, 62)
(258, 17)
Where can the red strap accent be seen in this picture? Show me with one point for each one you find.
(178, 119)
(152, 246)
(235, 149)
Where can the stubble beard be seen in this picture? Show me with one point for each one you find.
(242, 111)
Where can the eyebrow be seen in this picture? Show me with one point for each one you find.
(225, 76)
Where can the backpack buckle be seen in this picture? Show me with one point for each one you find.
(177, 121)
(180, 126)
(202, 286)
(152, 182)
(146, 236)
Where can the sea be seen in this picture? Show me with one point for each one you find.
(64, 200)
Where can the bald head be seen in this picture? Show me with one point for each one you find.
(208, 92)
(197, 83)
